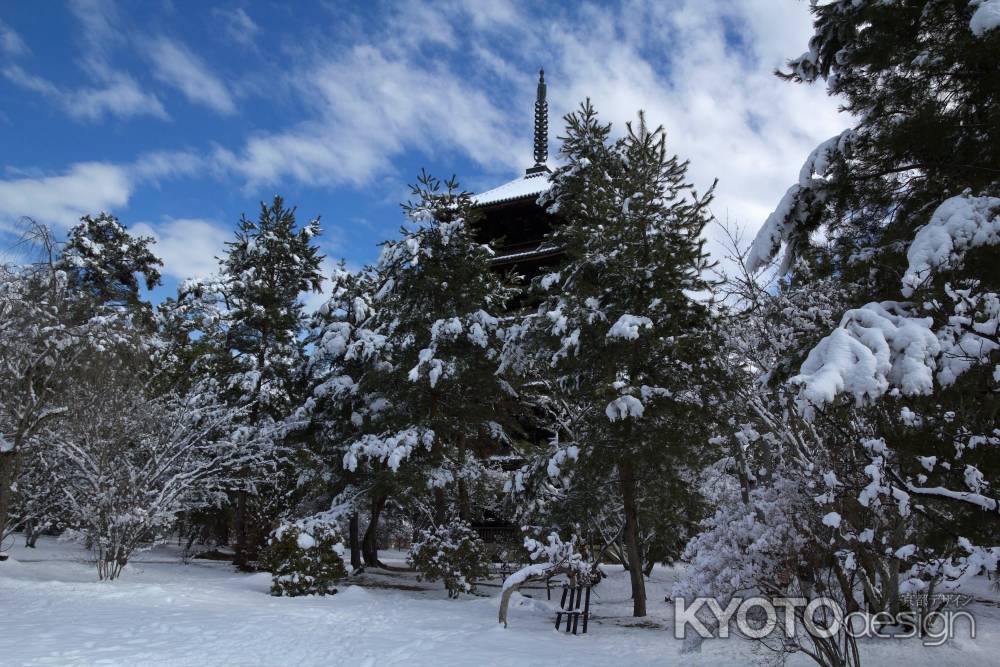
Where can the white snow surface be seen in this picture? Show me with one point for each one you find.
(624, 407)
(986, 17)
(627, 326)
(875, 347)
(519, 188)
(163, 613)
(779, 226)
(957, 225)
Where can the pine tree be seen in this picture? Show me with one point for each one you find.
(341, 376)
(902, 211)
(432, 402)
(623, 344)
(243, 328)
(104, 264)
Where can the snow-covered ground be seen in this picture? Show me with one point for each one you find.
(166, 612)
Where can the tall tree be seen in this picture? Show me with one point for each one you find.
(252, 320)
(107, 266)
(51, 315)
(341, 374)
(903, 210)
(624, 343)
(435, 399)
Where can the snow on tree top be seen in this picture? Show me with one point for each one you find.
(957, 225)
(519, 188)
(986, 16)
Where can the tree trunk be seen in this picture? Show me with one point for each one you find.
(355, 542)
(440, 507)
(508, 591)
(32, 529)
(8, 464)
(464, 506)
(369, 546)
(240, 528)
(628, 486)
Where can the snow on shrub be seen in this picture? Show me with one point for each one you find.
(554, 556)
(453, 553)
(305, 558)
(549, 559)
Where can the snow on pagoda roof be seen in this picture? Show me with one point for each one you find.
(519, 188)
(543, 250)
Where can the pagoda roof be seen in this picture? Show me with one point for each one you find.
(542, 251)
(520, 188)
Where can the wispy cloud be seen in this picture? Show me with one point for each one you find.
(11, 43)
(61, 199)
(187, 246)
(238, 25)
(112, 91)
(119, 95)
(158, 165)
(177, 66)
(707, 73)
(368, 107)
(98, 18)
(704, 68)
(445, 80)
(463, 82)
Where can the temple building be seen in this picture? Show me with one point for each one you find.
(512, 223)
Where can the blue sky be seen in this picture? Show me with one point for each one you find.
(177, 116)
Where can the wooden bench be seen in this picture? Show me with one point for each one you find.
(575, 603)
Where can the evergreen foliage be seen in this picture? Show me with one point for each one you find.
(305, 558)
(620, 347)
(453, 553)
(435, 397)
(241, 330)
(864, 468)
(907, 202)
(106, 266)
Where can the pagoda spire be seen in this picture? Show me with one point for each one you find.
(541, 128)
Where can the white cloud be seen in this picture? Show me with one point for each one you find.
(87, 187)
(11, 43)
(453, 79)
(175, 65)
(238, 25)
(117, 95)
(98, 19)
(458, 78)
(371, 105)
(704, 70)
(187, 246)
(157, 165)
(113, 92)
